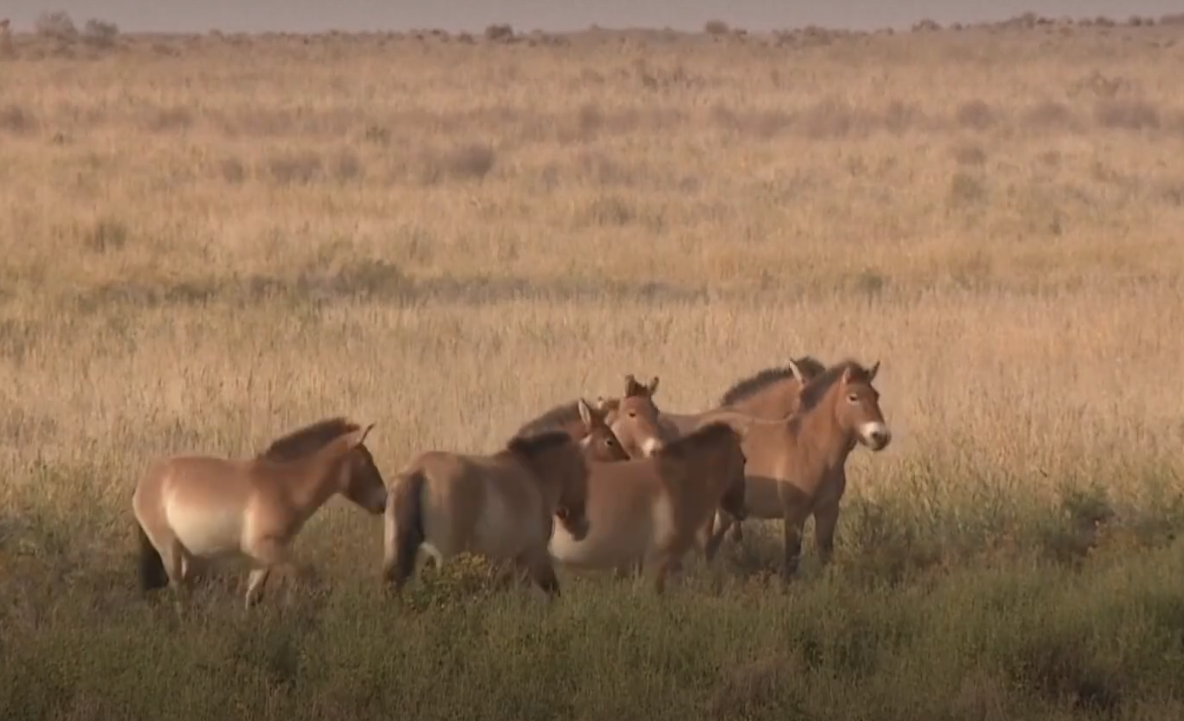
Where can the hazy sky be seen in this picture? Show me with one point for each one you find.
(525, 15)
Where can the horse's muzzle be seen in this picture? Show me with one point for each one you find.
(876, 436)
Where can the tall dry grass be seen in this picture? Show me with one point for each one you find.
(208, 240)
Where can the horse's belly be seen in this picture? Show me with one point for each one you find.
(591, 552)
(206, 531)
(624, 539)
(762, 499)
(500, 532)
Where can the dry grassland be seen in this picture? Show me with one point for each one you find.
(210, 240)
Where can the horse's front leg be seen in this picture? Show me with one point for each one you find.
(794, 513)
(826, 520)
(266, 554)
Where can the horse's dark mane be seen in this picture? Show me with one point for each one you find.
(816, 389)
(309, 439)
(810, 366)
(531, 446)
(560, 416)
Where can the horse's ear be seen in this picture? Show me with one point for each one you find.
(871, 372)
(846, 377)
(360, 436)
(585, 413)
(652, 388)
(797, 372)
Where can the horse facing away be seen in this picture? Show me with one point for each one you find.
(633, 419)
(646, 511)
(794, 463)
(191, 507)
(500, 506)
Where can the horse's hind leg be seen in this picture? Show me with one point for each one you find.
(404, 533)
(174, 565)
(172, 557)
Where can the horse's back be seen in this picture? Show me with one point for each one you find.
(774, 402)
(678, 424)
(202, 474)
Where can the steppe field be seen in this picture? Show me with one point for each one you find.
(210, 240)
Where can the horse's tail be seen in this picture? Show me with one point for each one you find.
(152, 573)
(404, 532)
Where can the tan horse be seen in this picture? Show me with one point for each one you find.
(633, 418)
(770, 394)
(793, 464)
(645, 512)
(599, 443)
(192, 508)
(500, 506)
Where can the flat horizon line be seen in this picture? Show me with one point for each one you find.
(724, 27)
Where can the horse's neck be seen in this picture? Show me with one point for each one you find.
(311, 484)
(820, 439)
(549, 489)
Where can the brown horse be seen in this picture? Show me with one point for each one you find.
(794, 463)
(646, 511)
(192, 508)
(500, 506)
(632, 417)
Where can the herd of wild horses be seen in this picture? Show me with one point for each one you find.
(617, 486)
